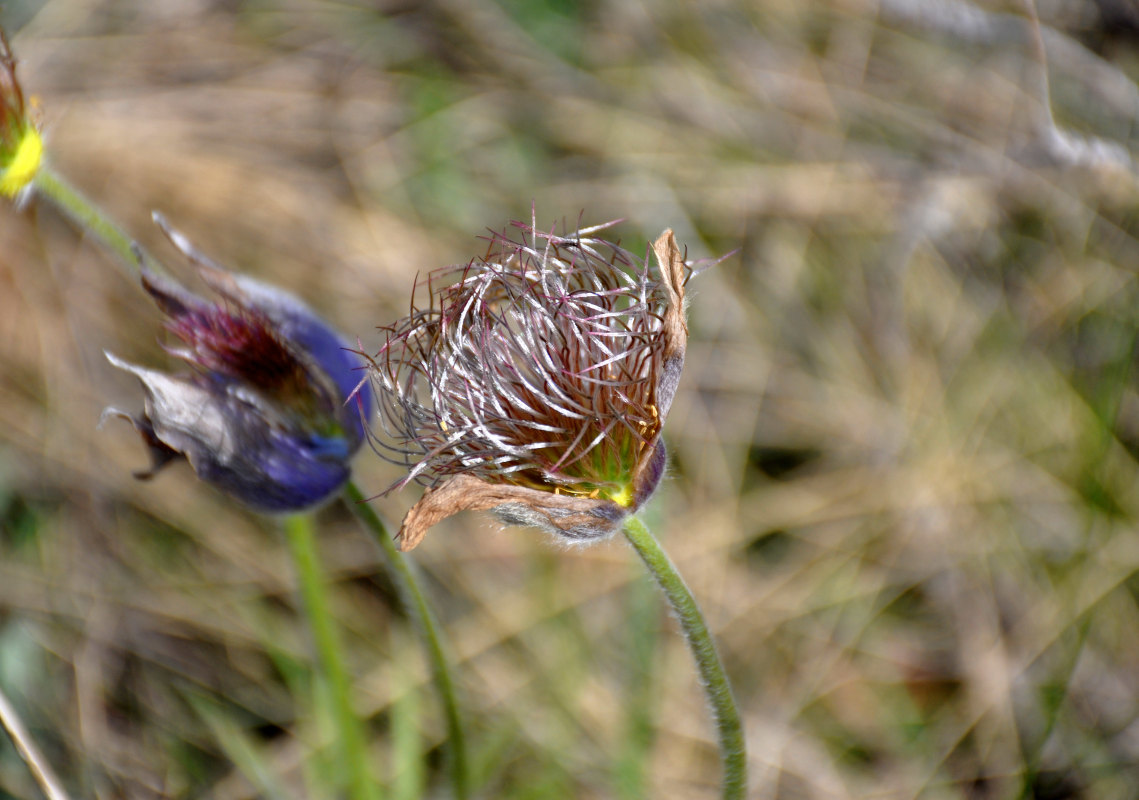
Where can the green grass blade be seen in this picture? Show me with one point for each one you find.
(352, 748)
(407, 583)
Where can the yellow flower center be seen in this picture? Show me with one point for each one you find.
(24, 164)
(623, 496)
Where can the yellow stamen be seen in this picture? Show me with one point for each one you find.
(24, 164)
(623, 496)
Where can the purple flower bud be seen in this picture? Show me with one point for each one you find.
(535, 381)
(272, 411)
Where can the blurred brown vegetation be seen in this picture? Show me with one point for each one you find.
(904, 454)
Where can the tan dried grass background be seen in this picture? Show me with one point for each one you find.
(904, 480)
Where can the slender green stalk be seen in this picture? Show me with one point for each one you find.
(408, 585)
(353, 753)
(631, 767)
(408, 776)
(52, 186)
(733, 753)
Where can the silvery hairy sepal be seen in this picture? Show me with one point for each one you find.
(271, 410)
(535, 381)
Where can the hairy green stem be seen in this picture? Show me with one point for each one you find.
(733, 753)
(352, 748)
(87, 216)
(407, 583)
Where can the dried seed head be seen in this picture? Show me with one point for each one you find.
(541, 375)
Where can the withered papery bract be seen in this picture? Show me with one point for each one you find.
(273, 409)
(535, 381)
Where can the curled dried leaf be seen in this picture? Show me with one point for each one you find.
(576, 517)
(671, 263)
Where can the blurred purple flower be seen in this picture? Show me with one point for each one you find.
(536, 382)
(273, 410)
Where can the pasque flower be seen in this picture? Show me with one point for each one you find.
(535, 381)
(21, 148)
(272, 408)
